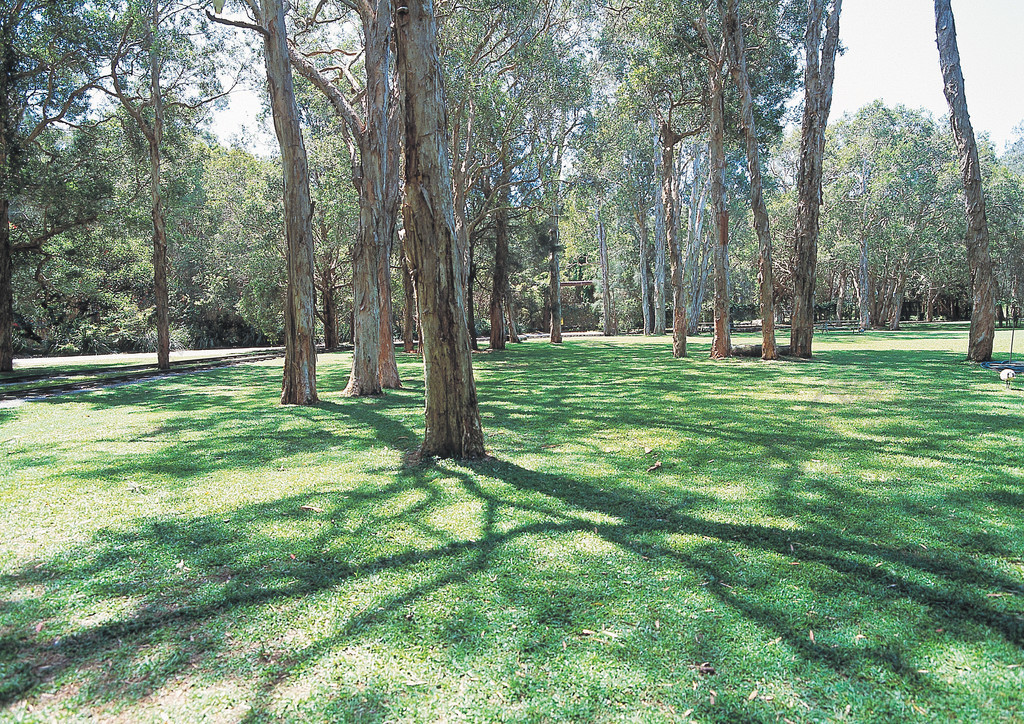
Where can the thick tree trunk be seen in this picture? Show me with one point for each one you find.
(510, 317)
(499, 278)
(6, 289)
(660, 237)
(669, 204)
(819, 72)
(721, 344)
(453, 426)
(738, 67)
(555, 282)
(608, 319)
(299, 384)
(979, 260)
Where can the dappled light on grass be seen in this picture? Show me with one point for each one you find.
(821, 535)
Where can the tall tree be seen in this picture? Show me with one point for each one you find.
(979, 260)
(299, 384)
(738, 68)
(819, 72)
(371, 122)
(48, 65)
(158, 69)
(453, 426)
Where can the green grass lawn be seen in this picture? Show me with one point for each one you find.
(654, 540)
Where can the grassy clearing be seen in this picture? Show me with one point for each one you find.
(823, 541)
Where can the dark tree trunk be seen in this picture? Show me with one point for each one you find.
(160, 292)
(738, 67)
(555, 282)
(453, 426)
(474, 344)
(979, 261)
(819, 72)
(6, 290)
(299, 384)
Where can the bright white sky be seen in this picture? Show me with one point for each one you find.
(890, 54)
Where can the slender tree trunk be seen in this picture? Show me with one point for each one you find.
(470, 302)
(841, 297)
(721, 344)
(660, 237)
(864, 284)
(645, 270)
(453, 426)
(6, 289)
(669, 197)
(979, 260)
(555, 281)
(738, 67)
(299, 384)
(499, 278)
(154, 135)
(513, 330)
(899, 294)
(387, 365)
(330, 311)
(409, 316)
(608, 324)
(819, 72)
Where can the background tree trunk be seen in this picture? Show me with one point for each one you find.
(470, 304)
(555, 281)
(645, 270)
(499, 279)
(660, 236)
(608, 321)
(979, 260)
(721, 344)
(738, 66)
(409, 315)
(299, 384)
(819, 72)
(453, 426)
(6, 289)
(669, 203)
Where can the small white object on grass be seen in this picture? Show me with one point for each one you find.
(1007, 377)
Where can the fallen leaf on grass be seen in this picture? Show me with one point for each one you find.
(654, 467)
(714, 695)
(648, 450)
(752, 695)
(311, 508)
(812, 636)
(707, 668)
(39, 627)
(997, 595)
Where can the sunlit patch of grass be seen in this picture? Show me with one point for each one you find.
(837, 539)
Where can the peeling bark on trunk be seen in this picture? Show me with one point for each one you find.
(470, 302)
(555, 282)
(299, 384)
(738, 68)
(453, 426)
(6, 290)
(979, 260)
(387, 365)
(818, 75)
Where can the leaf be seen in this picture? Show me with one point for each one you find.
(292, 556)
(218, 6)
(311, 508)
(812, 636)
(707, 668)
(39, 627)
(648, 450)
(752, 695)
(654, 467)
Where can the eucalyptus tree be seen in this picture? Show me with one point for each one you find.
(819, 72)
(357, 76)
(49, 59)
(268, 20)
(161, 71)
(453, 427)
(979, 260)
